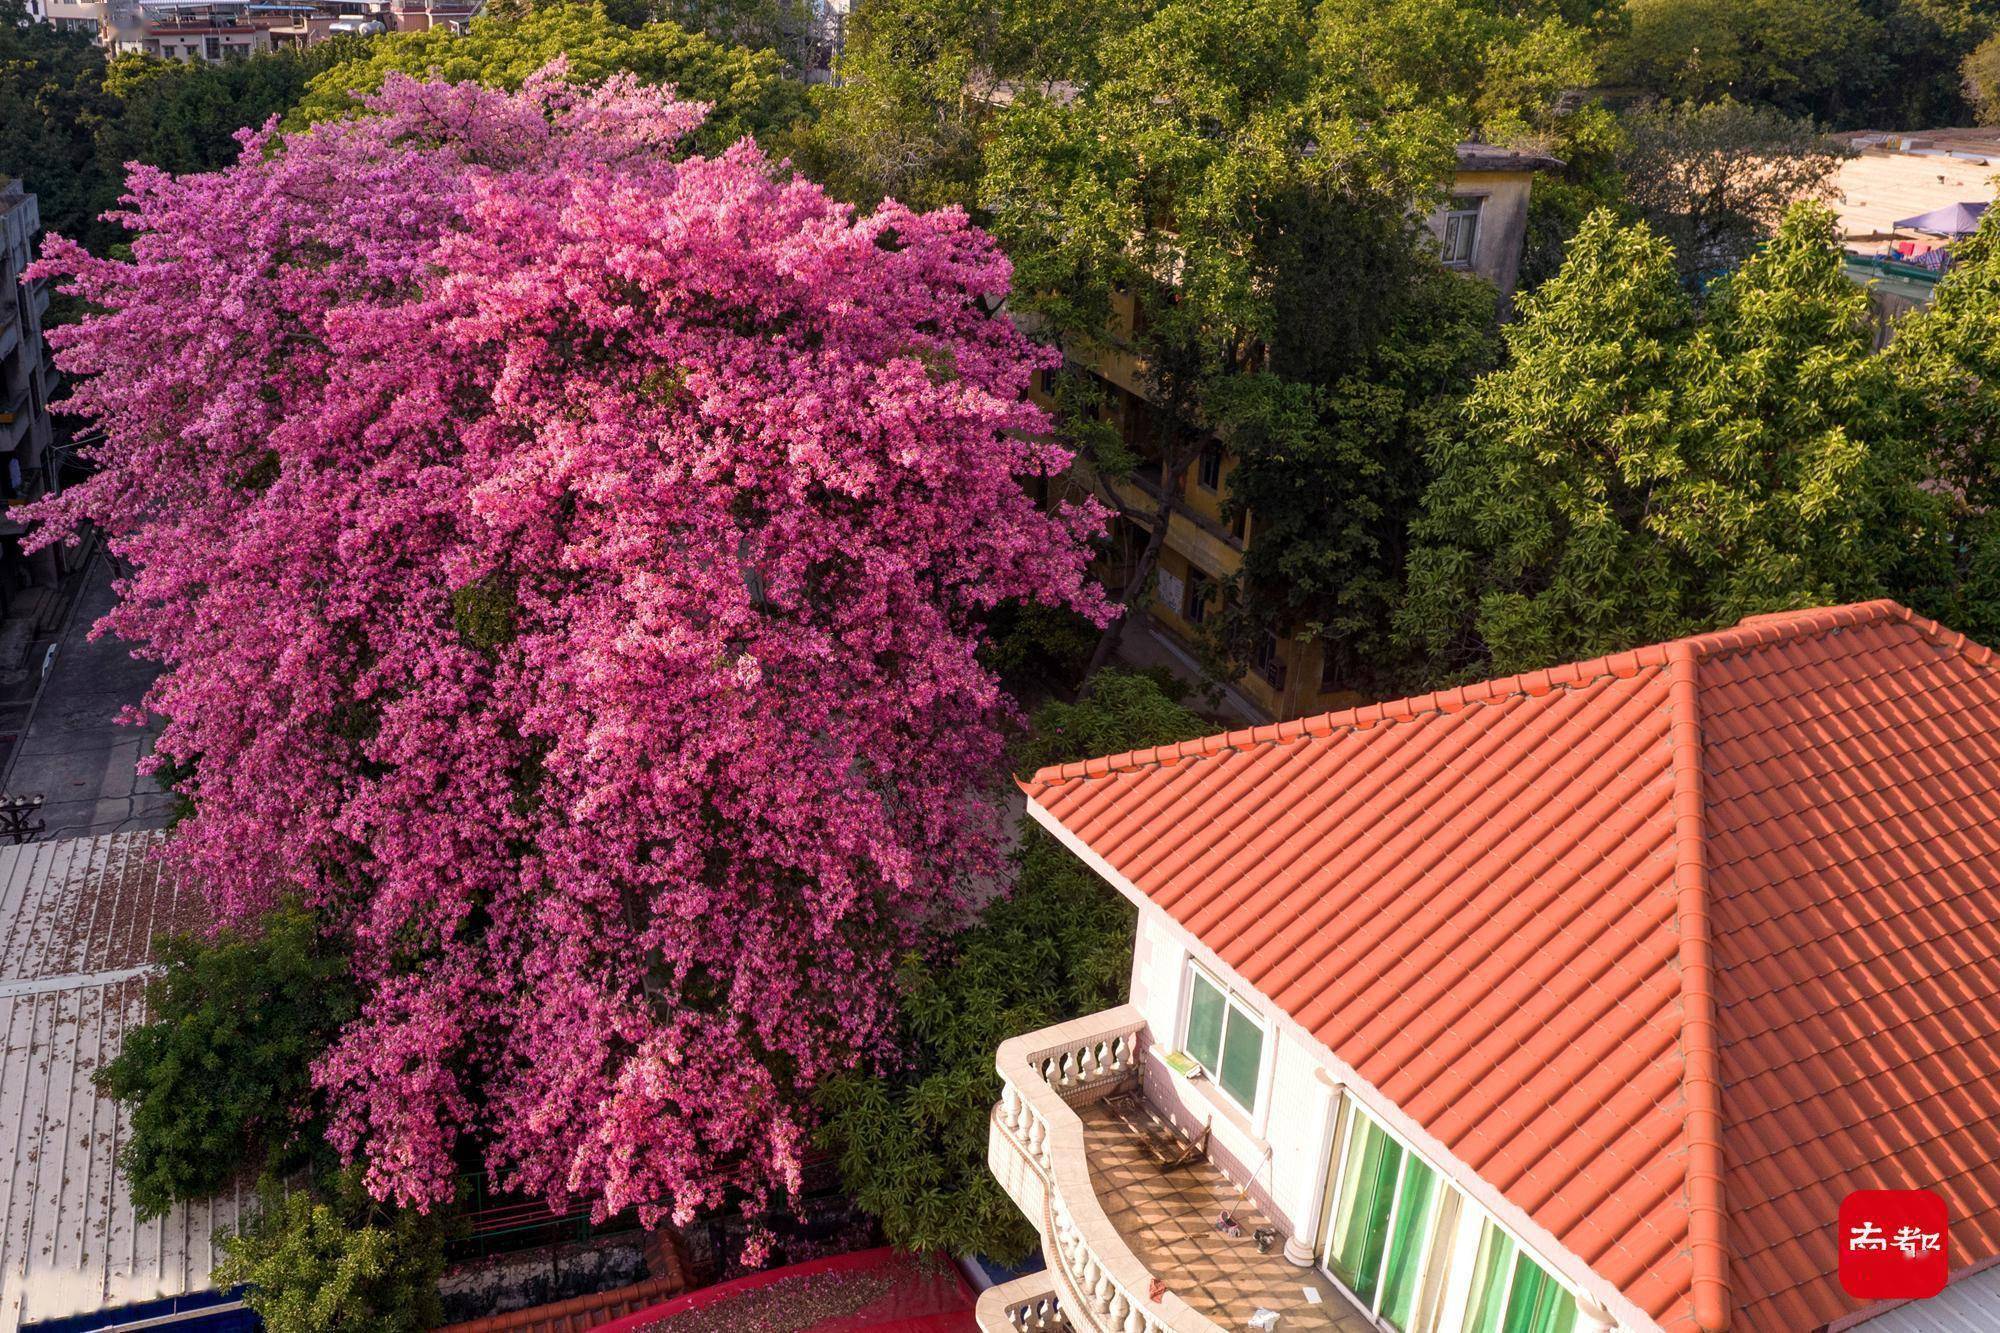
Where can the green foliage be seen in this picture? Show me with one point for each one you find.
(1883, 64)
(333, 1261)
(1714, 180)
(1980, 74)
(1946, 362)
(52, 99)
(922, 81)
(216, 1081)
(748, 88)
(913, 1148)
(485, 613)
(1328, 556)
(782, 26)
(183, 115)
(1027, 645)
(1640, 470)
(70, 120)
(1800, 56)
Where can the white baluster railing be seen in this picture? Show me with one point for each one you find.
(1099, 1283)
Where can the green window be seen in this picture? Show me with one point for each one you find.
(1206, 1007)
(1511, 1293)
(1223, 1038)
(1385, 1205)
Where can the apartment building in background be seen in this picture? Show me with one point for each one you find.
(1480, 230)
(28, 465)
(216, 30)
(1564, 1003)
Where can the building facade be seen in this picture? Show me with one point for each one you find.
(28, 464)
(1569, 1002)
(1480, 230)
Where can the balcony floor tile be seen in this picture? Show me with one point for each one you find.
(1168, 1218)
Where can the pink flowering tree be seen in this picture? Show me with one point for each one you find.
(567, 558)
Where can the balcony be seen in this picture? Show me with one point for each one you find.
(1131, 1245)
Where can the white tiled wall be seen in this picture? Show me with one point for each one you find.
(1282, 1147)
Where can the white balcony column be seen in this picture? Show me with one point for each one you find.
(1303, 1247)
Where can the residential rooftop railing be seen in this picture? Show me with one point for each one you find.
(1099, 1283)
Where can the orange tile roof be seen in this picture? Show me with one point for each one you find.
(1675, 947)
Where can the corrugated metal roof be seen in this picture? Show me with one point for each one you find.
(76, 921)
(1675, 947)
(1969, 1305)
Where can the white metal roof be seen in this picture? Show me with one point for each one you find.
(77, 919)
(1969, 1305)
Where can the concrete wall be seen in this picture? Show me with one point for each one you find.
(1503, 223)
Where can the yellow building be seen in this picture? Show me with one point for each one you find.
(1480, 229)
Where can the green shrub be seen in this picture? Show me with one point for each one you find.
(215, 1081)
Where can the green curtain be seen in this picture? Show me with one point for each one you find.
(1533, 1303)
(1361, 1226)
(1416, 1206)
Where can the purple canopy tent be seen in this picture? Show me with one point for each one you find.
(1951, 220)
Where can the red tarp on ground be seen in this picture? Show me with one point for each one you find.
(876, 1291)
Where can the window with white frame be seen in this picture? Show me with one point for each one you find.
(1511, 1293)
(1418, 1256)
(1461, 228)
(1385, 1211)
(1222, 1035)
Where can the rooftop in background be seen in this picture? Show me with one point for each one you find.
(1721, 912)
(77, 919)
(1493, 157)
(1894, 176)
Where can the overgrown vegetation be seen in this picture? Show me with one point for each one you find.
(216, 1081)
(913, 1146)
(329, 1259)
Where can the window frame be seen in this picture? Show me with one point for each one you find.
(1208, 468)
(1426, 1253)
(1230, 1001)
(1468, 217)
(1194, 596)
(1451, 1244)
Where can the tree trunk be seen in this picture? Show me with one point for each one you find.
(1173, 467)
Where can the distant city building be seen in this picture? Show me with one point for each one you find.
(27, 462)
(216, 30)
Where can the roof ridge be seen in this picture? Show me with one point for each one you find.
(1455, 699)
(1750, 632)
(1700, 1042)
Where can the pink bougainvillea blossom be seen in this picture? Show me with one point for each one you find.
(567, 558)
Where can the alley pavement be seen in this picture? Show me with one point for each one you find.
(75, 752)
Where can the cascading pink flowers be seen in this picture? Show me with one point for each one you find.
(567, 559)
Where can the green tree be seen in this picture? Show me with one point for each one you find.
(333, 1261)
(216, 1081)
(912, 1148)
(922, 82)
(1805, 57)
(1226, 151)
(1328, 558)
(749, 91)
(1715, 179)
(183, 115)
(52, 99)
(783, 26)
(1638, 470)
(1979, 73)
(1946, 363)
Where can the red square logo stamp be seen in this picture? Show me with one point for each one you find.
(1893, 1244)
